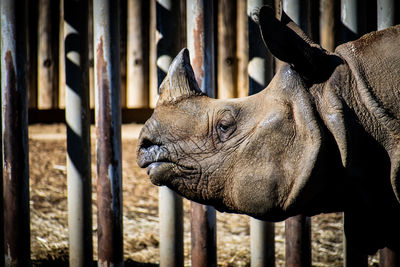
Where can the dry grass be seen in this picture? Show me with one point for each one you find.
(49, 233)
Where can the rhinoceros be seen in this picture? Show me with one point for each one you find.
(323, 136)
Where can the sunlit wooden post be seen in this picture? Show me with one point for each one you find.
(138, 54)
(47, 64)
(108, 126)
(226, 58)
(14, 102)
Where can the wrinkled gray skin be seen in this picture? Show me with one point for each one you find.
(322, 137)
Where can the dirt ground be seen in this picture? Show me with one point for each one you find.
(48, 202)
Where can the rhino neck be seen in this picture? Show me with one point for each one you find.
(352, 116)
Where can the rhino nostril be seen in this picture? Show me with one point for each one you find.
(147, 143)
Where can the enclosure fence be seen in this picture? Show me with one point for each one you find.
(111, 56)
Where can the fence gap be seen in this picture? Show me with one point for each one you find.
(108, 127)
(15, 162)
(77, 117)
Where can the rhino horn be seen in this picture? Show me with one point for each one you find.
(180, 81)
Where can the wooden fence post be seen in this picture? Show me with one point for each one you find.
(77, 117)
(14, 102)
(226, 58)
(48, 55)
(138, 54)
(242, 46)
(108, 126)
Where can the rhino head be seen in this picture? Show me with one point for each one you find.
(260, 155)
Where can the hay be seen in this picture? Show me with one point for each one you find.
(49, 233)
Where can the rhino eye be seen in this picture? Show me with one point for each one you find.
(225, 129)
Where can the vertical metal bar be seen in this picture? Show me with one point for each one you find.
(200, 40)
(47, 55)
(386, 13)
(108, 127)
(298, 241)
(137, 54)
(153, 79)
(262, 243)
(171, 228)
(293, 10)
(227, 60)
(298, 228)
(260, 72)
(78, 132)
(15, 133)
(349, 17)
(170, 204)
(329, 22)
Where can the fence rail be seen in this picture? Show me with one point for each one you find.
(113, 56)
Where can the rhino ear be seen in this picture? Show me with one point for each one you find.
(289, 43)
(180, 81)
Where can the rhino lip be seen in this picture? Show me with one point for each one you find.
(160, 172)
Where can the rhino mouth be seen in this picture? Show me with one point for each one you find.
(160, 167)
